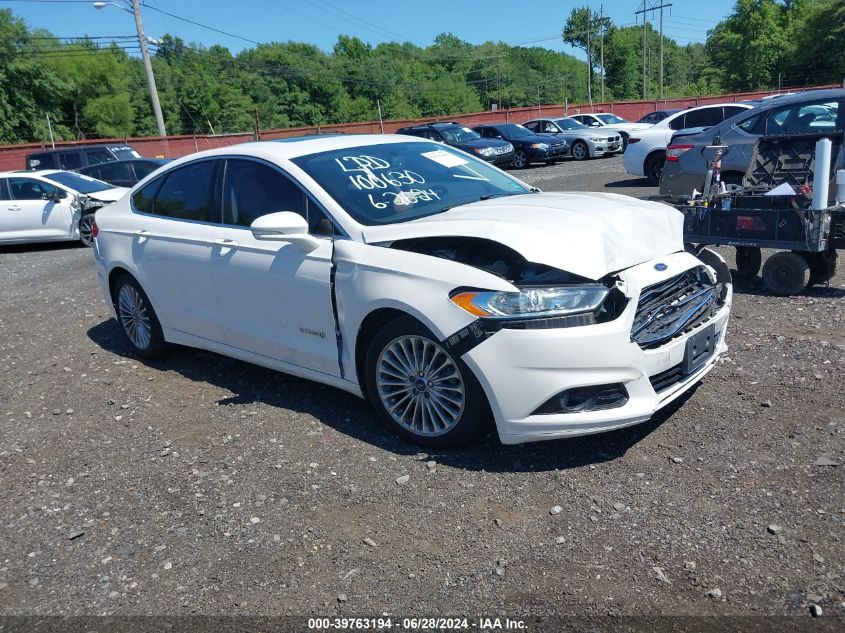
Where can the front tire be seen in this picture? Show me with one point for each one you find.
(748, 259)
(86, 230)
(419, 389)
(580, 151)
(520, 160)
(137, 319)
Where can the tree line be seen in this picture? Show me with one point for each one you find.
(81, 89)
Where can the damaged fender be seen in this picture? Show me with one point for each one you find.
(369, 278)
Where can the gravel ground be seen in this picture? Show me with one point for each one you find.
(201, 485)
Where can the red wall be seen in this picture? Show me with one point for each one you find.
(13, 156)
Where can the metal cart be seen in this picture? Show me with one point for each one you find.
(749, 220)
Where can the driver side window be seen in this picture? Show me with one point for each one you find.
(29, 189)
(252, 189)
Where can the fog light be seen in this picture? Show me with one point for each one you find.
(579, 399)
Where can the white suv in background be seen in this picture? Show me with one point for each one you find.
(646, 152)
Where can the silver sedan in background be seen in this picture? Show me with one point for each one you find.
(585, 142)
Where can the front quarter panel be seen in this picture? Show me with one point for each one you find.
(369, 278)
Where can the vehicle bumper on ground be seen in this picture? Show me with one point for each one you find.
(499, 160)
(520, 370)
(675, 182)
(600, 148)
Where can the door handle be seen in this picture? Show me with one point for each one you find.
(142, 233)
(14, 208)
(224, 243)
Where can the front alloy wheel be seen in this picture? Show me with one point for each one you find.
(86, 229)
(420, 389)
(520, 160)
(580, 151)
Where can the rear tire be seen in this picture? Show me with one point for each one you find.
(138, 321)
(419, 389)
(653, 168)
(786, 274)
(748, 259)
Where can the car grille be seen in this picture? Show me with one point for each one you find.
(501, 150)
(674, 306)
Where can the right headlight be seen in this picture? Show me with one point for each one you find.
(597, 139)
(540, 146)
(532, 302)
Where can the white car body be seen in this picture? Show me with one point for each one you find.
(594, 120)
(656, 138)
(27, 217)
(224, 289)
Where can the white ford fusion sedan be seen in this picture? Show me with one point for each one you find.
(444, 290)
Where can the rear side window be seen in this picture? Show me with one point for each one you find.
(142, 170)
(111, 173)
(41, 161)
(70, 160)
(678, 122)
(187, 193)
(99, 155)
(144, 198)
(707, 117)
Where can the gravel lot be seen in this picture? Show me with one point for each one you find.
(201, 485)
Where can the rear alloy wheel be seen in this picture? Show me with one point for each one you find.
(748, 260)
(137, 319)
(580, 151)
(520, 159)
(86, 229)
(786, 274)
(654, 168)
(421, 390)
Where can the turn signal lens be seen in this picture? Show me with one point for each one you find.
(532, 301)
(95, 230)
(464, 300)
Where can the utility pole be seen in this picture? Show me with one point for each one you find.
(50, 130)
(145, 55)
(589, 59)
(601, 27)
(148, 67)
(646, 7)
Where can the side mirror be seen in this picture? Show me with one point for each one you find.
(595, 124)
(55, 196)
(285, 226)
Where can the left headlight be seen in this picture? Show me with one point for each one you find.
(540, 145)
(597, 139)
(532, 302)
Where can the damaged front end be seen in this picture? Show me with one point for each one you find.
(546, 297)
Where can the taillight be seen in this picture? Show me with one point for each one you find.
(673, 152)
(633, 140)
(95, 230)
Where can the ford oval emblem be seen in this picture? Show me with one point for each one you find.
(660, 266)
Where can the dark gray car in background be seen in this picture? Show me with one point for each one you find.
(814, 111)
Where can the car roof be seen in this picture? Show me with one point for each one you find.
(289, 148)
(31, 172)
(73, 148)
(158, 161)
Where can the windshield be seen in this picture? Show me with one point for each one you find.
(610, 119)
(570, 124)
(512, 130)
(458, 134)
(124, 153)
(78, 182)
(396, 182)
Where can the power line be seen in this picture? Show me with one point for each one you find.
(199, 24)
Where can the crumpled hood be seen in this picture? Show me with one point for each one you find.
(109, 195)
(587, 234)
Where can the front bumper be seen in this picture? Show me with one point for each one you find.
(600, 148)
(498, 159)
(520, 370)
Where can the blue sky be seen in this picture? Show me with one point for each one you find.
(319, 22)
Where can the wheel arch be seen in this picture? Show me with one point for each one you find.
(655, 152)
